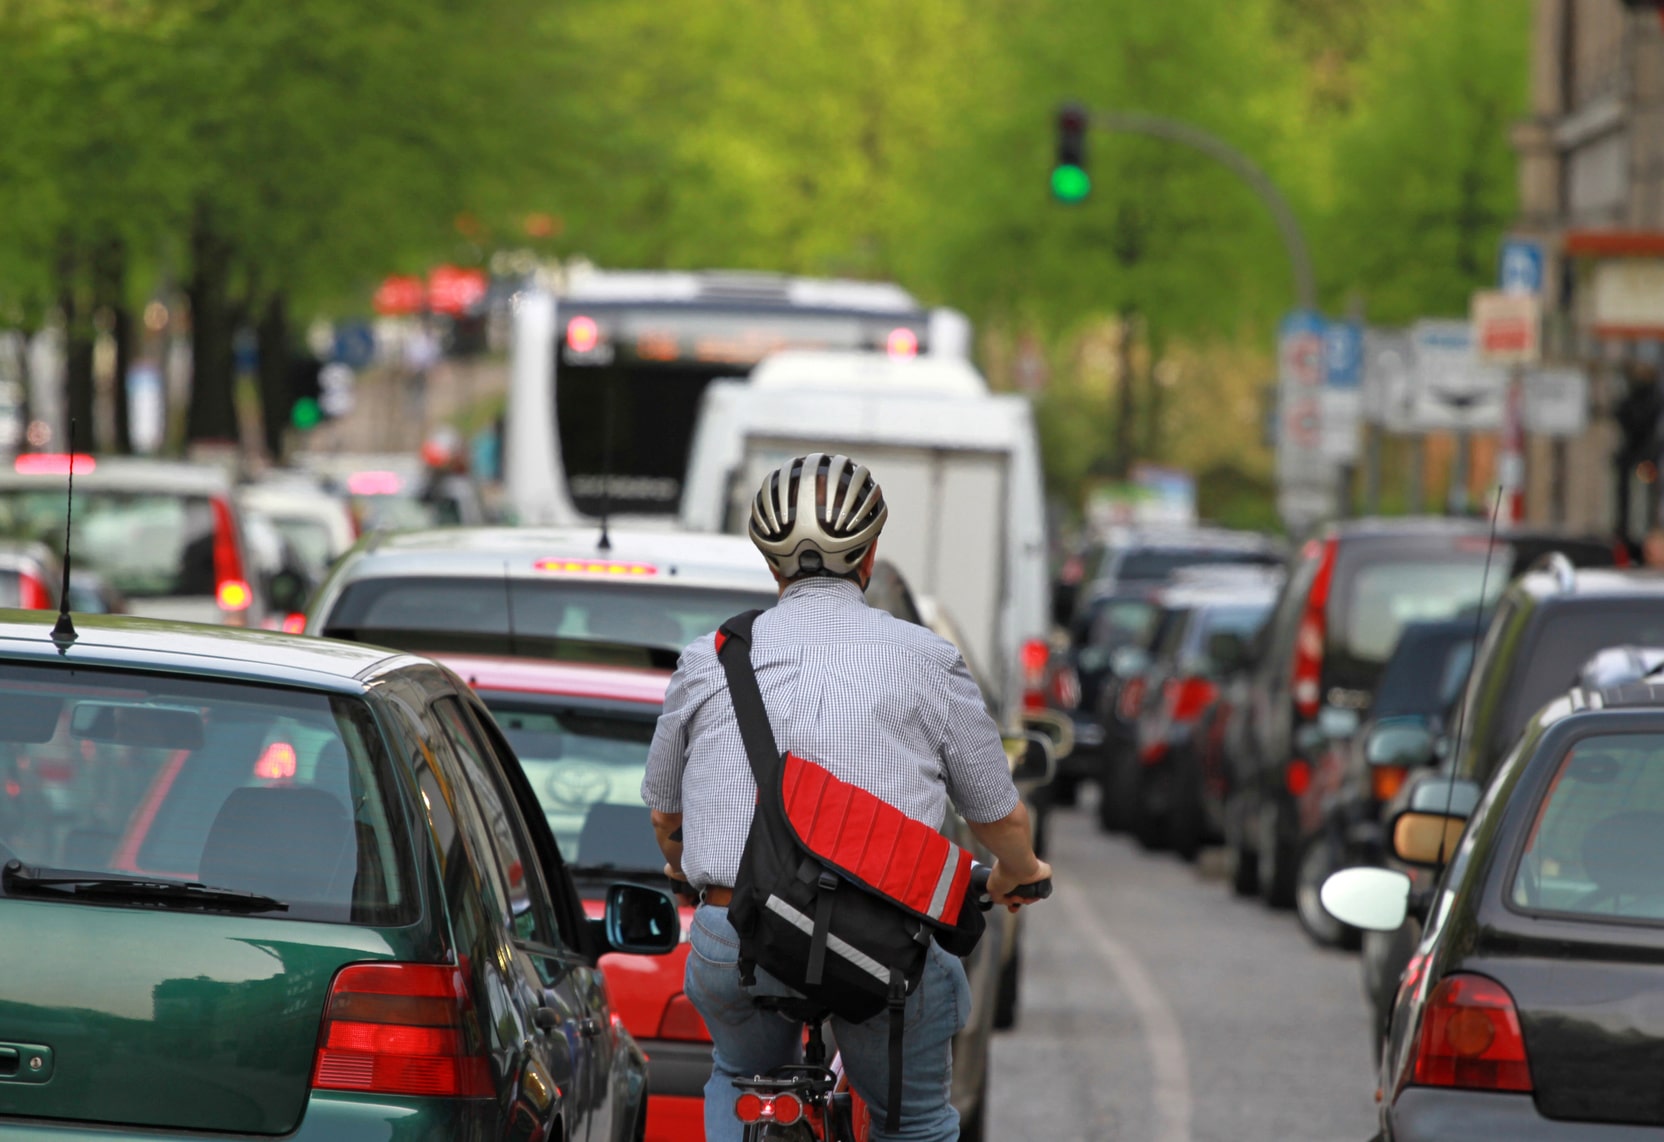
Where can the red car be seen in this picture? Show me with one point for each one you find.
(581, 733)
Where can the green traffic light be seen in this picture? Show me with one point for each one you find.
(306, 413)
(1070, 183)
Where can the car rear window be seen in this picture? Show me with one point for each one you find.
(1570, 635)
(585, 765)
(1121, 622)
(1159, 563)
(1596, 848)
(145, 544)
(1387, 594)
(456, 614)
(1425, 677)
(284, 793)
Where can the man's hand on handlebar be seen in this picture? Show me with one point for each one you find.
(1003, 886)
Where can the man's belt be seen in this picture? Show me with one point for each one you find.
(716, 895)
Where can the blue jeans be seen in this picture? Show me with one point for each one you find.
(753, 1042)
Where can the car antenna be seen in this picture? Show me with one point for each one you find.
(508, 604)
(605, 542)
(63, 631)
(1462, 710)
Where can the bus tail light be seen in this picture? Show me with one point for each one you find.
(393, 1028)
(902, 343)
(1471, 1038)
(582, 334)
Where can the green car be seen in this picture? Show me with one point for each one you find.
(253, 884)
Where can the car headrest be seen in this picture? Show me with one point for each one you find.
(287, 842)
(1624, 853)
(619, 835)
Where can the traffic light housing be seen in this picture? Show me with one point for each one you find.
(1070, 182)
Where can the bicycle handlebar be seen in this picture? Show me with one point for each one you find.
(1039, 890)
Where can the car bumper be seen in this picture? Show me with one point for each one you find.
(673, 1118)
(327, 1118)
(1421, 1114)
(676, 1069)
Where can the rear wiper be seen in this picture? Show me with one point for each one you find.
(17, 877)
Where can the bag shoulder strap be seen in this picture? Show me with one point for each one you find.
(733, 650)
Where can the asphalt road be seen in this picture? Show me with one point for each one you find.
(1157, 1007)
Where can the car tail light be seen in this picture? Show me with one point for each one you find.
(1297, 776)
(1313, 630)
(294, 624)
(231, 589)
(32, 594)
(1471, 1038)
(1132, 697)
(1386, 780)
(682, 1022)
(1034, 656)
(393, 1028)
(1620, 554)
(784, 1108)
(1188, 698)
(1065, 688)
(53, 464)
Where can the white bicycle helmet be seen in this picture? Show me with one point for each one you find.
(817, 515)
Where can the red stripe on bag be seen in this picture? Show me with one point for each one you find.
(865, 837)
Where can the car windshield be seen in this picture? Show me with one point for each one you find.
(585, 763)
(284, 793)
(433, 613)
(310, 537)
(145, 544)
(1597, 847)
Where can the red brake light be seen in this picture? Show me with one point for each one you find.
(582, 334)
(1308, 643)
(902, 342)
(1298, 776)
(784, 1108)
(53, 463)
(294, 624)
(1471, 1038)
(682, 1022)
(32, 594)
(395, 1028)
(1035, 655)
(1189, 697)
(231, 587)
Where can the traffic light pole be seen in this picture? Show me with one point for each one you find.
(1174, 131)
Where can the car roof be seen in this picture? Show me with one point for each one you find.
(1181, 537)
(125, 473)
(1368, 526)
(674, 557)
(231, 653)
(1546, 584)
(567, 679)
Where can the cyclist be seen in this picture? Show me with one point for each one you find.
(883, 704)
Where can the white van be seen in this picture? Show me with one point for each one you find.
(960, 469)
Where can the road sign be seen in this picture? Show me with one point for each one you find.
(1507, 327)
(1556, 401)
(1343, 354)
(1520, 268)
(1453, 389)
(1300, 350)
(354, 345)
(1389, 380)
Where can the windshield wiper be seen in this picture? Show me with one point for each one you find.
(17, 877)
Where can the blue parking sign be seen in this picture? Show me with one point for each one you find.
(1343, 355)
(1520, 268)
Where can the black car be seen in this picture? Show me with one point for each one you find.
(1547, 626)
(1534, 1007)
(1421, 683)
(1205, 630)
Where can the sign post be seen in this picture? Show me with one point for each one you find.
(1305, 476)
(1507, 330)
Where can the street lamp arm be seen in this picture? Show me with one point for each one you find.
(1172, 130)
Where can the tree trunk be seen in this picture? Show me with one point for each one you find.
(1128, 399)
(78, 350)
(110, 294)
(276, 360)
(213, 412)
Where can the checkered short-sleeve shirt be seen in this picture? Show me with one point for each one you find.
(881, 703)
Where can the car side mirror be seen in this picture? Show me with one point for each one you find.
(286, 591)
(1426, 840)
(640, 921)
(1405, 742)
(1129, 660)
(1374, 899)
(1055, 727)
(1033, 762)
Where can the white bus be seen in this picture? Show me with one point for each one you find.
(607, 375)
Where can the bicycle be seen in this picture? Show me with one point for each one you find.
(812, 1101)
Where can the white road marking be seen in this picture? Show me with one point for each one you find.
(1169, 1064)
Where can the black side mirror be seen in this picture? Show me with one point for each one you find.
(286, 591)
(639, 921)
